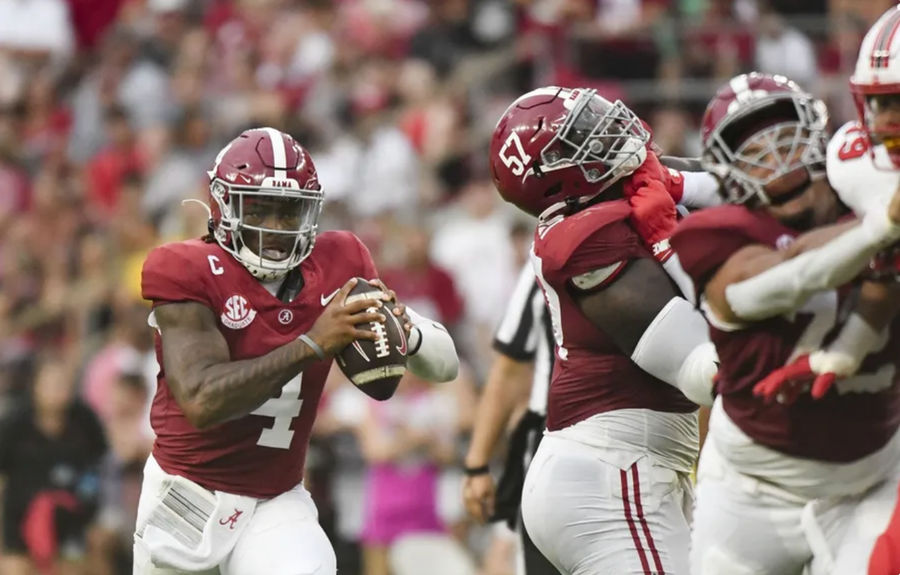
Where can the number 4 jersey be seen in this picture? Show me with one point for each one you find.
(261, 454)
(856, 418)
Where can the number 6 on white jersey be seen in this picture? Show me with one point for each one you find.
(516, 162)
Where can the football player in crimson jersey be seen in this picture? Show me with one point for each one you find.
(800, 484)
(249, 319)
(608, 490)
(863, 165)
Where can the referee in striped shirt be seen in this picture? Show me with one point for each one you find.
(521, 369)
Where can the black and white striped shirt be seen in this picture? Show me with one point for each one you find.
(525, 334)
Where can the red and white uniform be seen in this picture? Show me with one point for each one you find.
(608, 490)
(853, 174)
(260, 455)
(781, 487)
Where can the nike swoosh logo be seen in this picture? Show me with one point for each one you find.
(327, 298)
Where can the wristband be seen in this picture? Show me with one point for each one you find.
(320, 353)
(475, 471)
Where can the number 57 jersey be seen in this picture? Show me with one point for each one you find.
(261, 454)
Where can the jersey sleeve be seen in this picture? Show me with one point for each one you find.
(608, 247)
(595, 238)
(847, 149)
(170, 276)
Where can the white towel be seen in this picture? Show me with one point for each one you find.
(191, 528)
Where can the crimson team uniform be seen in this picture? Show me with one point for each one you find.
(261, 455)
(608, 488)
(228, 500)
(630, 440)
(783, 486)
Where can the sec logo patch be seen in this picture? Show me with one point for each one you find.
(237, 313)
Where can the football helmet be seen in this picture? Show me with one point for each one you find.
(555, 148)
(265, 202)
(759, 128)
(877, 73)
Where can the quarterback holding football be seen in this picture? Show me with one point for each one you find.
(248, 321)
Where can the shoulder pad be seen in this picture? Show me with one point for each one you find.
(706, 239)
(555, 243)
(846, 159)
(346, 247)
(176, 271)
(853, 174)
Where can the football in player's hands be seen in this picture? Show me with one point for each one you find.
(375, 367)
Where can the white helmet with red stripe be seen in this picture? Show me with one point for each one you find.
(877, 75)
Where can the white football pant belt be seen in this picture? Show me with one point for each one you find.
(432, 354)
(675, 348)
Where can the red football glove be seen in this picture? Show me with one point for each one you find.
(653, 216)
(785, 384)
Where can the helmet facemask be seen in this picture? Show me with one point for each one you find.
(607, 142)
(597, 132)
(270, 230)
(789, 151)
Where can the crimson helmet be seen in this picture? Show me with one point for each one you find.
(757, 121)
(265, 170)
(877, 73)
(559, 147)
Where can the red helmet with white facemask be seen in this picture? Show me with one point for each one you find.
(758, 129)
(555, 148)
(875, 79)
(265, 202)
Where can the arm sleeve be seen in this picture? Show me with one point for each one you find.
(786, 286)
(518, 332)
(701, 190)
(675, 348)
(432, 355)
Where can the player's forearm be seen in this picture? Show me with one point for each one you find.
(505, 387)
(229, 390)
(789, 284)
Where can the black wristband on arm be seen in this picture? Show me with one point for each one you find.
(474, 471)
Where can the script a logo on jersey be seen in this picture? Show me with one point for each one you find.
(237, 313)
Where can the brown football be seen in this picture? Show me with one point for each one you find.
(375, 367)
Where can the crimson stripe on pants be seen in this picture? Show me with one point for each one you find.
(623, 475)
(640, 513)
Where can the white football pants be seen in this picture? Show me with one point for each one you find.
(590, 514)
(743, 526)
(282, 538)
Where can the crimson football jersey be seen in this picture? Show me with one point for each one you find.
(857, 417)
(261, 454)
(592, 375)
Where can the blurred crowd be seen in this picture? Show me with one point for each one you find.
(111, 112)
